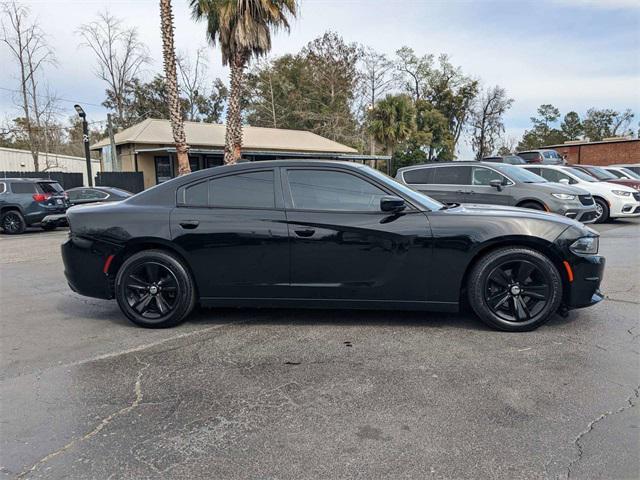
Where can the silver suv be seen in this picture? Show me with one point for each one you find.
(498, 184)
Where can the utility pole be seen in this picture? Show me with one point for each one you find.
(85, 140)
(114, 157)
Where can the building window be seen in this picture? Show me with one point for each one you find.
(194, 163)
(163, 169)
(212, 161)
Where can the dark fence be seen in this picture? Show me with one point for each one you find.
(131, 181)
(67, 180)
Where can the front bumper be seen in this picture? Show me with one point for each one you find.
(59, 220)
(84, 262)
(584, 290)
(577, 211)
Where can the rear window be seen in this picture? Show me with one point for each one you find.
(551, 154)
(452, 175)
(418, 175)
(528, 156)
(23, 187)
(50, 187)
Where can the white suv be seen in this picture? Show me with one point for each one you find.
(612, 201)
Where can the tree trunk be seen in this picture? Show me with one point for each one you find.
(233, 136)
(169, 54)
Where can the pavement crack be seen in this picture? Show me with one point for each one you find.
(577, 442)
(137, 390)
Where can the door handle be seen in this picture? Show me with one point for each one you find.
(308, 232)
(189, 224)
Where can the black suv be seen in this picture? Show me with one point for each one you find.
(31, 201)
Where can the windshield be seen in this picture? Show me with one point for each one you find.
(420, 198)
(521, 175)
(601, 173)
(581, 175)
(630, 173)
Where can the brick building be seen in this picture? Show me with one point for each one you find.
(605, 152)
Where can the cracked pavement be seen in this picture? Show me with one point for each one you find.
(295, 394)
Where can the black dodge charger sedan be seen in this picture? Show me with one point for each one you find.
(326, 234)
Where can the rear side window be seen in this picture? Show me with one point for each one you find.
(50, 187)
(418, 175)
(23, 187)
(453, 175)
(331, 190)
(530, 156)
(3, 187)
(197, 195)
(535, 170)
(245, 190)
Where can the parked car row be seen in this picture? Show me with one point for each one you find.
(26, 202)
(566, 190)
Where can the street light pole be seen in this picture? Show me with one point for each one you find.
(85, 141)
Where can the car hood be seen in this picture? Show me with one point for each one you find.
(551, 187)
(507, 212)
(627, 182)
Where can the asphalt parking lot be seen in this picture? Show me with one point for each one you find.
(294, 394)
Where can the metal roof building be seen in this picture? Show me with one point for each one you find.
(148, 147)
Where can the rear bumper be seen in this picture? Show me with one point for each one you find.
(84, 262)
(584, 291)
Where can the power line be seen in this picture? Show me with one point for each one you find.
(57, 98)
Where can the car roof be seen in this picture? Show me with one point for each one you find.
(457, 163)
(28, 180)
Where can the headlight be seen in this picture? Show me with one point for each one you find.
(585, 246)
(621, 193)
(564, 196)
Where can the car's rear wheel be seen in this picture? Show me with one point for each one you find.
(13, 222)
(514, 289)
(602, 210)
(154, 289)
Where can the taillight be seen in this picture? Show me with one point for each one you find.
(41, 197)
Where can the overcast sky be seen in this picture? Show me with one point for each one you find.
(575, 54)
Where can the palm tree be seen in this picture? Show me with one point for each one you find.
(393, 121)
(175, 114)
(243, 29)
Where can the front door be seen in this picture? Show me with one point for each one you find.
(481, 190)
(232, 229)
(344, 247)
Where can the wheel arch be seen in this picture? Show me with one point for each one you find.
(150, 243)
(7, 208)
(533, 200)
(535, 243)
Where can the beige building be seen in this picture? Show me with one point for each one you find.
(148, 147)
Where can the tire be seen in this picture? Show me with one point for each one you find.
(13, 223)
(603, 210)
(514, 289)
(154, 289)
(48, 228)
(532, 206)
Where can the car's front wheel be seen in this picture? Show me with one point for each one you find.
(13, 222)
(154, 289)
(514, 289)
(602, 210)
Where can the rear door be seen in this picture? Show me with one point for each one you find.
(453, 184)
(344, 247)
(233, 230)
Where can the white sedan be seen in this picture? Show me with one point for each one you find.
(612, 201)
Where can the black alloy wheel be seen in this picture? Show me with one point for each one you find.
(13, 223)
(154, 289)
(515, 289)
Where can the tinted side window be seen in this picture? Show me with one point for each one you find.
(3, 188)
(612, 172)
(453, 175)
(419, 175)
(197, 195)
(23, 187)
(246, 190)
(536, 171)
(483, 176)
(331, 190)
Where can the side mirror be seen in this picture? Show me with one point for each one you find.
(564, 181)
(392, 204)
(496, 184)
